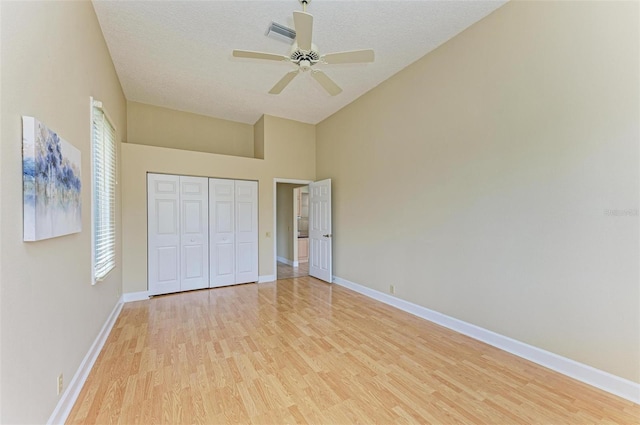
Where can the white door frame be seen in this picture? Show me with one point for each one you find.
(277, 180)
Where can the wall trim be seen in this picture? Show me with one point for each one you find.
(286, 261)
(70, 395)
(135, 296)
(266, 278)
(605, 381)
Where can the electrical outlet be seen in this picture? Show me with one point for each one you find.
(60, 384)
(392, 289)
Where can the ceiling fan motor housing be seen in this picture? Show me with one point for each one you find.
(298, 55)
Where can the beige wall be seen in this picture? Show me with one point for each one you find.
(289, 153)
(284, 220)
(258, 138)
(53, 59)
(478, 180)
(156, 126)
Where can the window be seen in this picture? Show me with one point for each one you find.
(103, 193)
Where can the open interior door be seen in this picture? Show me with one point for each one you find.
(320, 250)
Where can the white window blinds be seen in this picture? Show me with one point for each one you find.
(104, 194)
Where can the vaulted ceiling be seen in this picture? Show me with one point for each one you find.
(177, 54)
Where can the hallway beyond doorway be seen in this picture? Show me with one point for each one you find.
(286, 271)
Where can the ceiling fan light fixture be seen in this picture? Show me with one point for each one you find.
(305, 65)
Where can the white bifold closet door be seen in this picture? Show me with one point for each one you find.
(233, 232)
(246, 231)
(178, 245)
(194, 233)
(222, 232)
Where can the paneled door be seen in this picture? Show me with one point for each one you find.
(163, 203)
(320, 249)
(194, 232)
(246, 231)
(222, 232)
(233, 232)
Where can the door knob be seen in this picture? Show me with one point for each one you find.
(327, 236)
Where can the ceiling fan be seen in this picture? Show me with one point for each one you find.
(305, 54)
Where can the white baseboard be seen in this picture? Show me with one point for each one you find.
(135, 296)
(605, 381)
(266, 278)
(286, 261)
(70, 395)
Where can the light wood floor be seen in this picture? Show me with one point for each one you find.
(303, 351)
(286, 271)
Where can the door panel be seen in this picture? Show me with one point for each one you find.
(193, 263)
(222, 232)
(194, 238)
(320, 236)
(245, 217)
(167, 216)
(167, 264)
(246, 231)
(163, 244)
(224, 217)
(245, 257)
(193, 216)
(224, 260)
(166, 186)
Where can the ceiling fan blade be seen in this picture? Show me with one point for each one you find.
(326, 82)
(284, 82)
(303, 23)
(354, 56)
(259, 55)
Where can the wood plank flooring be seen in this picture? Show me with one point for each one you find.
(286, 271)
(303, 351)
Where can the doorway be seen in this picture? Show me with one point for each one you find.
(320, 233)
(292, 230)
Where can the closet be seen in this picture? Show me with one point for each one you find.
(178, 248)
(233, 231)
(201, 232)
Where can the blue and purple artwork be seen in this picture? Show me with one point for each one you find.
(51, 183)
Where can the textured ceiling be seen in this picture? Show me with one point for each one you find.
(177, 54)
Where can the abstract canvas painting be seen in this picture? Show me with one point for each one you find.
(51, 183)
